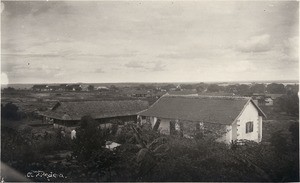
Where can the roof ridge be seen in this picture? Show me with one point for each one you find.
(166, 94)
(207, 96)
(102, 101)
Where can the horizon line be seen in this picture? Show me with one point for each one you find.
(133, 82)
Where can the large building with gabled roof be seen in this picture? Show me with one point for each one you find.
(228, 118)
(71, 112)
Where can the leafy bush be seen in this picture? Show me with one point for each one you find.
(146, 155)
(89, 139)
(171, 158)
(294, 129)
(289, 104)
(10, 112)
(279, 142)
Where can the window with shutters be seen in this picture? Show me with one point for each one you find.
(249, 127)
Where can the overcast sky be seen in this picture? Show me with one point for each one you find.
(51, 42)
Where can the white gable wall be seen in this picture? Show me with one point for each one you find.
(250, 113)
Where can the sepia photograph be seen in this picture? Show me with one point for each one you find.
(149, 91)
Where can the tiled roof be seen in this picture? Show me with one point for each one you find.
(211, 109)
(96, 109)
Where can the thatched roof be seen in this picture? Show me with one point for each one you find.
(95, 109)
(211, 109)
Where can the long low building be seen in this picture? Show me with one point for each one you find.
(70, 113)
(226, 118)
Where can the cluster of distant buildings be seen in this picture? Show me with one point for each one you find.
(265, 99)
(157, 93)
(125, 91)
(60, 87)
(66, 87)
(262, 99)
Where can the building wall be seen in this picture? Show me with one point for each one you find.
(164, 126)
(153, 121)
(249, 114)
(234, 131)
(260, 129)
(132, 118)
(221, 133)
(103, 122)
(268, 102)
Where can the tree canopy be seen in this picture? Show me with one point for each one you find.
(10, 111)
(275, 88)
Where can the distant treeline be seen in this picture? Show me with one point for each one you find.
(242, 89)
